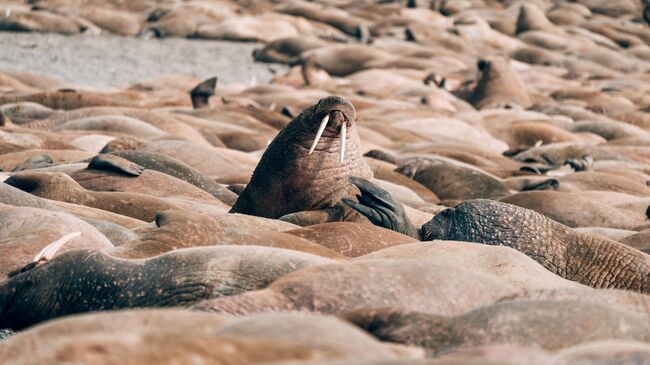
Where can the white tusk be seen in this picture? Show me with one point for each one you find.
(344, 128)
(323, 124)
(48, 252)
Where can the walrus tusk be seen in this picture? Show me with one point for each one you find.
(323, 124)
(48, 252)
(344, 128)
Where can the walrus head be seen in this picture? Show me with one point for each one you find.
(306, 167)
(337, 115)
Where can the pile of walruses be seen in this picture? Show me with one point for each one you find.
(430, 182)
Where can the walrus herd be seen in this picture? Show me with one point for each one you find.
(423, 182)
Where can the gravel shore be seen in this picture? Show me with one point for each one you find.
(108, 61)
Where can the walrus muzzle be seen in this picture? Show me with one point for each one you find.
(339, 118)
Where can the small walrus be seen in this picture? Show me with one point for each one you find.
(306, 168)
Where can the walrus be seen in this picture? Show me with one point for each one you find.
(114, 124)
(178, 169)
(24, 231)
(550, 325)
(411, 284)
(502, 263)
(90, 280)
(344, 21)
(178, 229)
(532, 17)
(24, 112)
(209, 338)
(599, 263)
(450, 179)
(107, 172)
(306, 166)
(286, 50)
(67, 99)
(28, 20)
(627, 300)
(59, 186)
(222, 164)
(499, 86)
(9, 161)
(608, 209)
(351, 239)
(11, 195)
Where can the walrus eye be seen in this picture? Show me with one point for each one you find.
(323, 124)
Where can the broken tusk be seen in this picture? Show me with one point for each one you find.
(48, 252)
(344, 129)
(323, 124)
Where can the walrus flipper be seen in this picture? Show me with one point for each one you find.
(202, 92)
(311, 217)
(380, 208)
(115, 164)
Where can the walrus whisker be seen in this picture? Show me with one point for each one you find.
(48, 252)
(344, 128)
(323, 124)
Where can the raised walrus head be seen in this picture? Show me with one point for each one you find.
(307, 166)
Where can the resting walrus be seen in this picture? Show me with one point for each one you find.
(589, 260)
(306, 167)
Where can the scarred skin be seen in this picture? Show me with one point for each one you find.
(90, 280)
(289, 180)
(590, 260)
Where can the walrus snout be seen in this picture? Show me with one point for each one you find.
(332, 104)
(338, 114)
(439, 227)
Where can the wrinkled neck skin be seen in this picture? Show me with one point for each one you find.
(288, 179)
(587, 259)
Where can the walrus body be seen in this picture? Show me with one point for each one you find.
(599, 263)
(90, 280)
(547, 324)
(288, 179)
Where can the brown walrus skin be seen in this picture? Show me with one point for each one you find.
(590, 260)
(88, 280)
(551, 325)
(288, 179)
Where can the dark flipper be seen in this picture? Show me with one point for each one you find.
(116, 164)
(380, 208)
(550, 184)
(202, 92)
